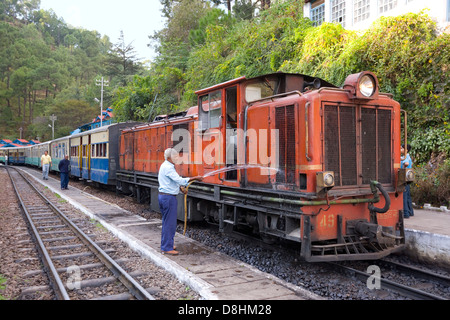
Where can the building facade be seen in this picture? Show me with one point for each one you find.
(360, 14)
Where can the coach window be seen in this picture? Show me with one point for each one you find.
(105, 150)
(211, 110)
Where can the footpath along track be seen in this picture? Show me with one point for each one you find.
(67, 253)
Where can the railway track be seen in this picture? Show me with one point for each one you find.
(401, 278)
(67, 253)
(331, 277)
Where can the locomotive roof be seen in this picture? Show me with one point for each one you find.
(280, 75)
(299, 75)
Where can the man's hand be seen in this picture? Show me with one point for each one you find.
(197, 178)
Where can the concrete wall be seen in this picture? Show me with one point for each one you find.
(428, 247)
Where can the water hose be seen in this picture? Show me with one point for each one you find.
(185, 206)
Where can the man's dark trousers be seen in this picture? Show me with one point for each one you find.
(408, 210)
(168, 207)
(64, 180)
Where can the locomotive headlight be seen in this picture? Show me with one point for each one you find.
(410, 175)
(328, 179)
(363, 85)
(324, 180)
(367, 85)
(405, 176)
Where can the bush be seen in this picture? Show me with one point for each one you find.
(432, 183)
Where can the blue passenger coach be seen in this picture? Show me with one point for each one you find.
(16, 155)
(34, 153)
(59, 148)
(94, 154)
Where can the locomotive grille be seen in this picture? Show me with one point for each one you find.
(285, 124)
(345, 137)
(384, 156)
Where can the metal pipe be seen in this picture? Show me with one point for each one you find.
(406, 130)
(373, 186)
(307, 131)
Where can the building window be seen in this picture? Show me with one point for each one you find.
(386, 5)
(338, 11)
(361, 10)
(448, 10)
(318, 13)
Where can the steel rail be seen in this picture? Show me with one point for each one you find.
(409, 292)
(58, 286)
(133, 286)
(424, 274)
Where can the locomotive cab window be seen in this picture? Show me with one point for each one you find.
(211, 110)
(261, 89)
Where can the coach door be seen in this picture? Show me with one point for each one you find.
(89, 153)
(210, 116)
(80, 157)
(86, 157)
(231, 132)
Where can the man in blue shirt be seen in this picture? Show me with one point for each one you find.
(64, 169)
(169, 186)
(406, 162)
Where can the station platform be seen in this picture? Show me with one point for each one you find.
(215, 276)
(428, 236)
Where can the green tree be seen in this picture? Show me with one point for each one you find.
(134, 101)
(42, 58)
(18, 9)
(122, 61)
(70, 114)
(244, 9)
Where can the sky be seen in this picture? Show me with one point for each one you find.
(137, 18)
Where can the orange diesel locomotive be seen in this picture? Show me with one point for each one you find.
(284, 156)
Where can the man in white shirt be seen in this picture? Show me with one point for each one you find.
(46, 163)
(169, 186)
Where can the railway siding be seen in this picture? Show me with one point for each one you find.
(212, 274)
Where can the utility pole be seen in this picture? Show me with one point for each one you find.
(102, 83)
(53, 118)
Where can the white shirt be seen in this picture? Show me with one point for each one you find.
(169, 180)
